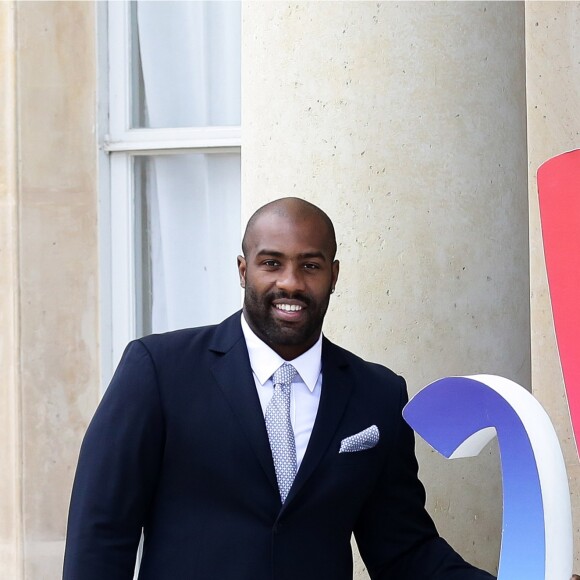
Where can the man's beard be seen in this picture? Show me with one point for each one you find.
(272, 331)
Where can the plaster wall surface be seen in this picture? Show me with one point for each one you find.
(406, 123)
(58, 263)
(553, 92)
(10, 515)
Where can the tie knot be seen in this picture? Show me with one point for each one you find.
(284, 375)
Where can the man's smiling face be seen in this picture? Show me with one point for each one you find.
(288, 274)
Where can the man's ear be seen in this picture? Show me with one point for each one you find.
(242, 270)
(335, 269)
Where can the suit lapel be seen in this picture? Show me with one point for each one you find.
(336, 390)
(233, 374)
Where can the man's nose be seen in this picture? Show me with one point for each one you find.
(290, 280)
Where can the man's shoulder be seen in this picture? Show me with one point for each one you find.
(200, 337)
(178, 336)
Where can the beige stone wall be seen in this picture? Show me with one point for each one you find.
(10, 472)
(50, 273)
(407, 123)
(553, 99)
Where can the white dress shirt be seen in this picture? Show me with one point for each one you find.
(306, 387)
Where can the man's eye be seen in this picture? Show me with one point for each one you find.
(271, 263)
(311, 266)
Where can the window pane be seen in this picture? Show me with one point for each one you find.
(188, 234)
(186, 63)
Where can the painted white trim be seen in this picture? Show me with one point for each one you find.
(119, 33)
(104, 209)
(173, 137)
(169, 147)
(123, 254)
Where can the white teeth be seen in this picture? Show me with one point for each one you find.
(288, 307)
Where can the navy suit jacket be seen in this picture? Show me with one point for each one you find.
(178, 448)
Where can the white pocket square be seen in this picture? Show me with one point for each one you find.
(366, 439)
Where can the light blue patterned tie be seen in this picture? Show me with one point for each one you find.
(279, 429)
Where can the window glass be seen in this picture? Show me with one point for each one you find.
(188, 236)
(186, 64)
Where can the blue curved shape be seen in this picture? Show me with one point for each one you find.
(448, 412)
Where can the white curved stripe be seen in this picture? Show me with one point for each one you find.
(551, 471)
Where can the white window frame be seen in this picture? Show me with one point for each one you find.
(120, 145)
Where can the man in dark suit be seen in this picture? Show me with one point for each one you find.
(236, 472)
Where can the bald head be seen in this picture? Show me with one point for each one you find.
(293, 209)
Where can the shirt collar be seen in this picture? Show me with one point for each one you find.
(264, 361)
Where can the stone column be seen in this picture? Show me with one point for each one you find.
(553, 98)
(406, 122)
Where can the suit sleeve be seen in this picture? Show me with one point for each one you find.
(395, 535)
(116, 474)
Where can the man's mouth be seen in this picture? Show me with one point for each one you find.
(288, 307)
